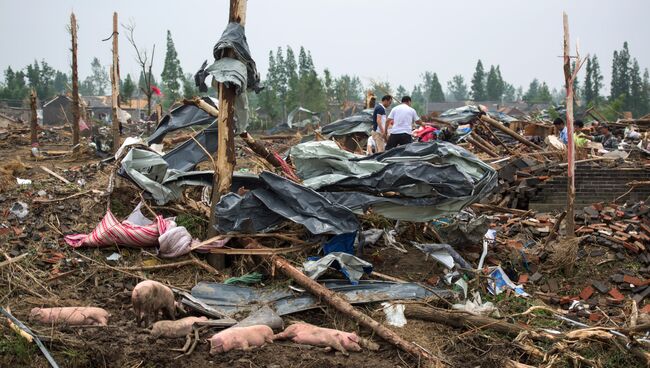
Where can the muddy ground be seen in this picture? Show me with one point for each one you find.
(56, 275)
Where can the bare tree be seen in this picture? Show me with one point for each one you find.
(145, 62)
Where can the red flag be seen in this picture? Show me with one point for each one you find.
(156, 90)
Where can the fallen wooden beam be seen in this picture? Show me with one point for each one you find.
(260, 252)
(508, 131)
(490, 207)
(55, 175)
(336, 301)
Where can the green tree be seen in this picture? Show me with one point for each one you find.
(328, 83)
(99, 77)
(509, 92)
(347, 89)
(596, 79)
(457, 88)
(127, 88)
(189, 87)
(646, 91)
(172, 75)
(544, 95)
(492, 86)
(14, 87)
(41, 78)
(60, 82)
(478, 83)
(533, 92)
(435, 90)
(291, 74)
(400, 92)
(636, 102)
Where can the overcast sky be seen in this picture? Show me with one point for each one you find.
(382, 40)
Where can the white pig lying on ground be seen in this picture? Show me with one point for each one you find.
(149, 298)
(304, 333)
(173, 329)
(72, 316)
(240, 338)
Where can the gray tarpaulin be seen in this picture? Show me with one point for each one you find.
(188, 154)
(182, 117)
(279, 200)
(352, 267)
(151, 172)
(239, 72)
(359, 123)
(415, 182)
(241, 299)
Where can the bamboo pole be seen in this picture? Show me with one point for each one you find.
(115, 86)
(34, 119)
(75, 83)
(226, 137)
(571, 189)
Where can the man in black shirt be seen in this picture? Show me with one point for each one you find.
(379, 123)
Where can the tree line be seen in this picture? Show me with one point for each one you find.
(292, 80)
(48, 82)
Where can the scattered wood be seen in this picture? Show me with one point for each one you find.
(334, 300)
(9, 261)
(193, 261)
(55, 175)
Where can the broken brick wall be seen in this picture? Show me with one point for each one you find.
(592, 185)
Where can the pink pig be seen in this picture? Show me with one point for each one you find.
(304, 333)
(240, 338)
(173, 329)
(149, 298)
(73, 316)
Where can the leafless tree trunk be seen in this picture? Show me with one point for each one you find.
(75, 82)
(34, 122)
(115, 86)
(145, 62)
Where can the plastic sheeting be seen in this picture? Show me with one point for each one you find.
(279, 200)
(182, 117)
(426, 180)
(360, 123)
(352, 267)
(233, 299)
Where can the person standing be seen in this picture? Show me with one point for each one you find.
(561, 130)
(379, 123)
(401, 119)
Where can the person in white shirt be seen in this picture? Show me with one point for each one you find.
(401, 120)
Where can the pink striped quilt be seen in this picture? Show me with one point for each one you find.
(112, 232)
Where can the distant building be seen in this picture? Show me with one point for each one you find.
(58, 110)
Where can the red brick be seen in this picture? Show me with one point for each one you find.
(645, 309)
(616, 294)
(595, 317)
(586, 292)
(523, 278)
(635, 280)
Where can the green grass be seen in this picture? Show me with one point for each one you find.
(196, 226)
(16, 349)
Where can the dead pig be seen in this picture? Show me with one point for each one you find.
(304, 333)
(173, 329)
(240, 338)
(73, 316)
(149, 298)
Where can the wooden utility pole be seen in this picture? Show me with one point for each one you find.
(115, 86)
(568, 79)
(34, 122)
(75, 83)
(225, 160)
